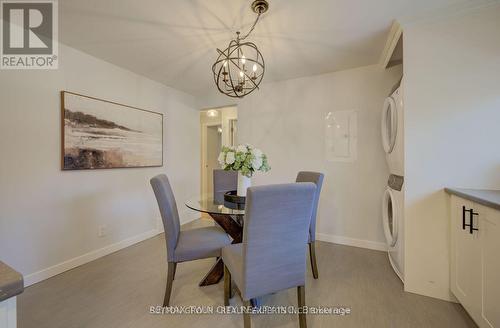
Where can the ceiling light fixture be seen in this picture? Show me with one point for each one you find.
(239, 68)
(212, 113)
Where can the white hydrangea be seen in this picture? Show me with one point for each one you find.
(241, 149)
(230, 158)
(221, 158)
(243, 158)
(257, 163)
(257, 152)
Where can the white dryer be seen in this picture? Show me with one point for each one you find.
(393, 131)
(393, 223)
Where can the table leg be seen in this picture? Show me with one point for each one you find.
(230, 226)
(233, 229)
(214, 275)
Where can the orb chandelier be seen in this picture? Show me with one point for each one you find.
(239, 68)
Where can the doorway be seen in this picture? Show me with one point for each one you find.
(218, 128)
(214, 145)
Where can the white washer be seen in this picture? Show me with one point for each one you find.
(393, 223)
(393, 131)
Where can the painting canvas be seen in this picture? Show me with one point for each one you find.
(99, 134)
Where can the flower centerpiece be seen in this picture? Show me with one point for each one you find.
(246, 160)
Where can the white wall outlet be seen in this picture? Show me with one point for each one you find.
(103, 230)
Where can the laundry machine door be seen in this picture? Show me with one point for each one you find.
(389, 124)
(390, 217)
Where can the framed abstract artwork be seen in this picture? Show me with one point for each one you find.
(101, 134)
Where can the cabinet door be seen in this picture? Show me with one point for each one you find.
(490, 224)
(465, 258)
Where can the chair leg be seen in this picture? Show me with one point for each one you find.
(227, 286)
(175, 270)
(246, 316)
(170, 278)
(312, 255)
(301, 293)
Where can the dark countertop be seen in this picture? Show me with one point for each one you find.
(490, 198)
(11, 282)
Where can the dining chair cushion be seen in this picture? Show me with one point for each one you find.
(317, 179)
(200, 243)
(233, 259)
(168, 210)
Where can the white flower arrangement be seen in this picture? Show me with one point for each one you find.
(244, 158)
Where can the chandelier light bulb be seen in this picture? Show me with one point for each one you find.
(243, 59)
(241, 74)
(254, 67)
(225, 63)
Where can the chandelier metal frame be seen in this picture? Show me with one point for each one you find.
(230, 69)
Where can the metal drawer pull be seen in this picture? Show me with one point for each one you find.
(463, 217)
(471, 216)
(471, 226)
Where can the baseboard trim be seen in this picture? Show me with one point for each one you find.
(54, 270)
(86, 258)
(351, 242)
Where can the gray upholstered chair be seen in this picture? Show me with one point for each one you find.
(225, 180)
(317, 179)
(272, 256)
(186, 245)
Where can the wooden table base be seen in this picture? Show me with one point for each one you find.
(214, 275)
(233, 229)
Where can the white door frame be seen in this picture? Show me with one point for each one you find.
(204, 177)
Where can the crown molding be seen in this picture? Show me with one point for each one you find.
(399, 25)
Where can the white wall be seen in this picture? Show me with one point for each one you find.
(286, 120)
(48, 216)
(452, 132)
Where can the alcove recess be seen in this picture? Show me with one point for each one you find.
(393, 50)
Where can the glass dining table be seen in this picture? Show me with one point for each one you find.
(229, 216)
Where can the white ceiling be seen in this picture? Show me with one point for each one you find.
(174, 42)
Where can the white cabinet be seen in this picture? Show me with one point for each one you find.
(475, 260)
(491, 268)
(8, 313)
(466, 258)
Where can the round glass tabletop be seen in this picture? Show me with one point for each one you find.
(214, 204)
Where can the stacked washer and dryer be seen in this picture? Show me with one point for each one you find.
(393, 200)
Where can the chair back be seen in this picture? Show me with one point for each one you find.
(317, 179)
(225, 180)
(275, 236)
(169, 214)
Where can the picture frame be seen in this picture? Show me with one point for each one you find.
(103, 134)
